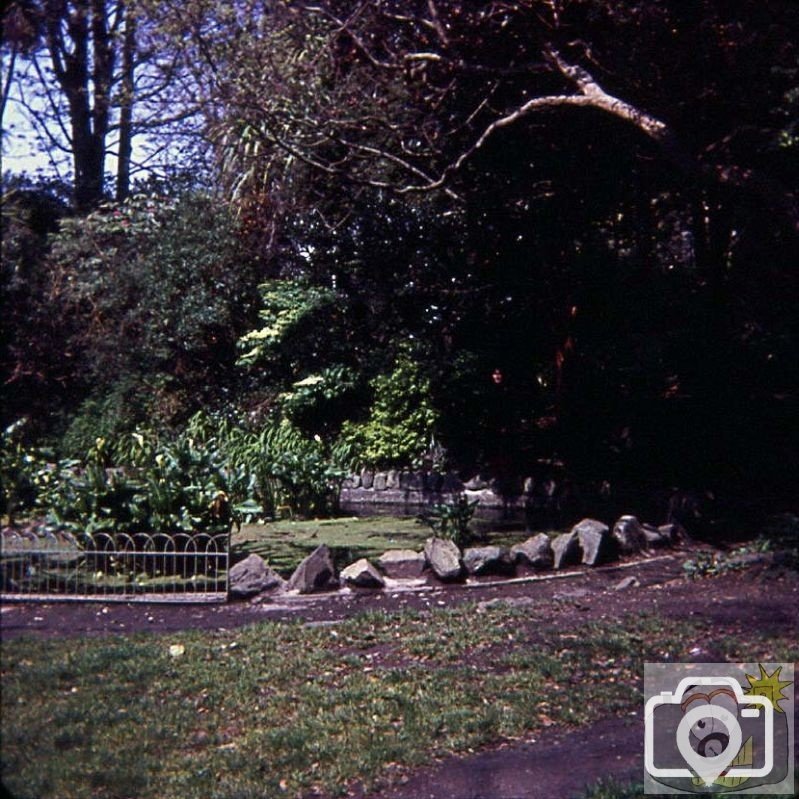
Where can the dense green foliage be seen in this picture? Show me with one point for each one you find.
(156, 486)
(401, 425)
(488, 231)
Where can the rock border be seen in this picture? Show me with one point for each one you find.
(588, 545)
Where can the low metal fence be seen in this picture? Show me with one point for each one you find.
(161, 567)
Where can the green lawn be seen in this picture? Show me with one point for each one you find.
(284, 709)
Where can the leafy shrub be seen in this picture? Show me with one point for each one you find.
(19, 472)
(402, 422)
(452, 519)
(319, 403)
(277, 465)
(178, 486)
(178, 294)
(286, 305)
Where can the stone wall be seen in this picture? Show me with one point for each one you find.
(410, 490)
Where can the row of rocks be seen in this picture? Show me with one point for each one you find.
(590, 543)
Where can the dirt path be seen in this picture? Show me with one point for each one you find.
(557, 763)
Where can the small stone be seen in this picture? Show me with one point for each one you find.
(487, 560)
(401, 563)
(627, 583)
(566, 550)
(595, 541)
(630, 535)
(315, 573)
(444, 558)
(363, 575)
(535, 552)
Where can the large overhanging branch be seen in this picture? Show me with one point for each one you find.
(591, 95)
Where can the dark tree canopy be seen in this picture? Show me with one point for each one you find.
(595, 202)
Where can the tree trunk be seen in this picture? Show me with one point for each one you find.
(126, 105)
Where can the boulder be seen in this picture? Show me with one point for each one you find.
(535, 552)
(477, 483)
(673, 532)
(629, 535)
(595, 541)
(352, 481)
(380, 482)
(367, 478)
(401, 563)
(393, 479)
(444, 558)
(363, 575)
(487, 497)
(654, 537)
(566, 550)
(487, 560)
(315, 573)
(253, 576)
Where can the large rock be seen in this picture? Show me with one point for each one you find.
(566, 550)
(253, 576)
(673, 532)
(380, 482)
(315, 573)
(595, 541)
(363, 575)
(535, 552)
(665, 535)
(444, 558)
(393, 479)
(487, 560)
(401, 563)
(367, 478)
(629, 535)
(477, 483)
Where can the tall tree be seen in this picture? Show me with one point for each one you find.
(592, 176)
(87, 80)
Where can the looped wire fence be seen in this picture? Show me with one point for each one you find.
(124, 567)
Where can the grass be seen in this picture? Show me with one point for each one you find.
(287, 709)
(283, 544)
